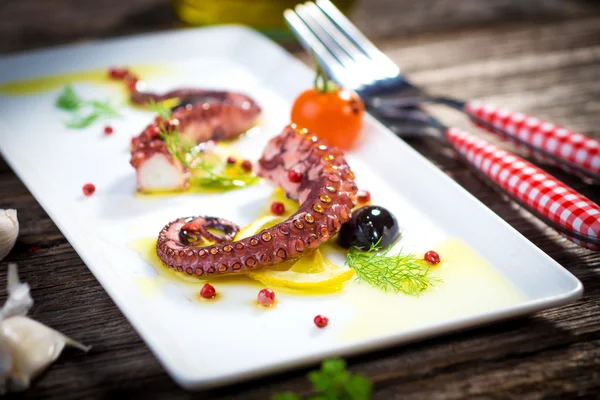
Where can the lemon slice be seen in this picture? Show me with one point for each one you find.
(312, 271)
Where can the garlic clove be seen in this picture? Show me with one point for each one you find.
(27, 347)
(33, 347)
(19, 299)
(9, 230)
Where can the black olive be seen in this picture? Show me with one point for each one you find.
(367, 226)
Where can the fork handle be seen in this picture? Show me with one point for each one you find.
(571, 151)
(573, 215)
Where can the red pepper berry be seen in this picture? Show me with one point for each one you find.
(432, 257)
(321, 321)
(247, 165)
(33, 249)
(131, 83)
(108, 130)
(363, 196)
(154, 131)
(266, 297)
(88, 189)
(172, 124)
(277, 208)
(117, 73)
(134, 141)
(231, 160)
(208, 291)
(189, 231)
(190, 226)
(294, 176)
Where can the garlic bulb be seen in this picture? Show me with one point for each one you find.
(27, 347)
(9, 230)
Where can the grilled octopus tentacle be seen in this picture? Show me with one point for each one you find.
(196, 228)
(326, 195)
(204, 116)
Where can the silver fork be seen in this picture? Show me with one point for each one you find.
(349, 57)
(351, 60)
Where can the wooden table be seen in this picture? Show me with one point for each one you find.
(541, 57)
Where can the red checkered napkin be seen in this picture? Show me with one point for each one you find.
(574, 215)
(575, 148)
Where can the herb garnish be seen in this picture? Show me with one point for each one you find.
(83, 112)
(403, 273)
(333, 382)
(160, 109)
(206, 168)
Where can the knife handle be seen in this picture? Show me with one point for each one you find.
(572, 214)
(572, 151)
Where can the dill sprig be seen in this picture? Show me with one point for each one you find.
(206, 169)
(159, 109)
(83, 112)
(401, 273)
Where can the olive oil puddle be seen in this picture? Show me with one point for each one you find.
(96, 76)
(470, 285)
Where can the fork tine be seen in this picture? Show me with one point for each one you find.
(312, 43)
(309, 41)
(353, 34)
(327, 27)
(350, 56)
(307, 13)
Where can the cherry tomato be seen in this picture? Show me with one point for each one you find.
(334, 114)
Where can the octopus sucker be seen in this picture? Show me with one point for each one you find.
(326, 201)
(203, 117)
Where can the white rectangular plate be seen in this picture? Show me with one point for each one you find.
(209, 344)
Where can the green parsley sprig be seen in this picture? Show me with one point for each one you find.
(333, 382)
(83, 112)
(401, 273)
(206, 169)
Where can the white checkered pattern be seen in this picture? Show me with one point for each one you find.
(562, 143)
(532, 187)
